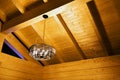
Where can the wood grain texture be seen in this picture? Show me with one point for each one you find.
(99, 68)
(59, 38)
(22, 5)
(100, 29)
(17, 69)
(10, 11)
(29, 36)
(2, 15)
(33, 13)
(78, 19)
(109, 12)
(60, 20)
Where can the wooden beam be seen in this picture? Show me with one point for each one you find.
(2, 16)
(10, 26)
(18, 5)
(60, 19)
(100, 29)
(104, 68)
(2, 36)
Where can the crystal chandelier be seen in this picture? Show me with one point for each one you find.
(42, 51)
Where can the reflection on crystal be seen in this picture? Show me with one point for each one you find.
(42, 51)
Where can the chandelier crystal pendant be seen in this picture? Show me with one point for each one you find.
(42, 51)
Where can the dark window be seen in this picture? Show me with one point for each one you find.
(7, 49)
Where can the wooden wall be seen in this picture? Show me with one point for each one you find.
(104, 68)
(12, 68)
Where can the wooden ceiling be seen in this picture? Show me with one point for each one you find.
(78, 30)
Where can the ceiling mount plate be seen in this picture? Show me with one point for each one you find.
(45, 16)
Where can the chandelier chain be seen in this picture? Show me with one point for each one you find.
(44, 31)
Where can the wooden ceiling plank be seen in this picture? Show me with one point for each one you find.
(58, 56)
(22, 38)
(57, 36)
(20, 41)
(11, 24)
(100, 29)
(25, 39)
(60, 19)
(78, 20)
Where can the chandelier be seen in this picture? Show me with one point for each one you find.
(42, 51)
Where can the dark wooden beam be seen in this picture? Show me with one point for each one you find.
(100, 28)
(71, 36)
(1, 23)
(50, 5)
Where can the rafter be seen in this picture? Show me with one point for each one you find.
(100, 29)
(2, 36)
(62, 22)
(27, 17)
(2, 15)
(18, 5)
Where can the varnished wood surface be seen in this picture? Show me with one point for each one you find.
(60, 40)
(106, 68)
(60, 19)
(68, 63)
(80, 24)
(110, 15)
(99, 68)
(17, 69)
(33, 13)
(24, 4)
